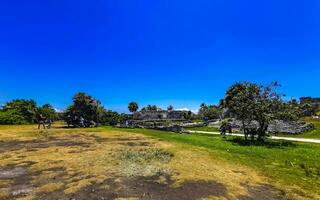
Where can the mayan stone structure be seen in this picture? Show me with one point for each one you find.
(161, 115)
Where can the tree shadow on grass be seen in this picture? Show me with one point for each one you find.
(267, 143)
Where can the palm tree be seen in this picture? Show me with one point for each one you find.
(170, 108)
(133, 107)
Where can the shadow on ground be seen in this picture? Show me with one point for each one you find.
(268, 143)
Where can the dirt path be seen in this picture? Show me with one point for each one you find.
(308, 140)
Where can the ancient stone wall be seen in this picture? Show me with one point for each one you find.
(160, 115)
(279, 126)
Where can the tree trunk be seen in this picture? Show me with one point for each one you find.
(244, 130)
(262, 130)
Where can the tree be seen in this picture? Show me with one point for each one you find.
(20, 111)
(151, 108)
(47, 111)
(252, 102)
(187, 115)
(109, 118)
(307, 109)
(209, 111)
(11, 117)
(289, 111)
(170, 108)
(84, 112)
(133, 107)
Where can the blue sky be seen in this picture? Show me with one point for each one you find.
(155, 52)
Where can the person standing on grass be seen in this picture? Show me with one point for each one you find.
(49, 122)
(41, 121)
(223, 128)
(229, 128)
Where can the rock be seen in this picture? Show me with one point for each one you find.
(160, 115)
(278, 126)
(289, 127)
(172, 128)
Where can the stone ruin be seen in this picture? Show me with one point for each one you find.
(159, 120)
(313, 101)
(161, 115)
(278, 126)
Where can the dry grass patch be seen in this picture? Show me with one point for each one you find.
(142, 161)
(193, 163)
(74, 160)
(70, 160)
(50, 187)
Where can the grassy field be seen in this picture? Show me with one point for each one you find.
(145, 164)
(310, 134)
(204, 128)
(284, 162)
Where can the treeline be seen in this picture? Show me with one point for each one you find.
(22, 111)
(85, 111)
(245, 101)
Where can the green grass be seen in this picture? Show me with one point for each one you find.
(204, 128)
(315, 133)
(284, 162)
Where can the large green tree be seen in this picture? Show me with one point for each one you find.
(84, 112)
(255, 103)
(19, 111)
(209, 111)
(47, 111)
(109, 118)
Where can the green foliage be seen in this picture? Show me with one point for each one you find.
(11, 117)
(170, 108)
(48, 112)
(307, 110)
(133, 107)
(289, 111)
(110, 118)
(85, 111)
(187, 115)
(19, 111)
(151, 108)
(252, 102)
(209, 111)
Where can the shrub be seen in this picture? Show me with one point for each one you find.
(12, 117)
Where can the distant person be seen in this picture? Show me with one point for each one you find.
(49, 122)
(41, 121)
(229, 128)
(223, 128)
(206, 120)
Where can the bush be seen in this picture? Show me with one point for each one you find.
(11, 117)
(22, 111)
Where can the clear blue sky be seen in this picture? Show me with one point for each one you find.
(161, 52)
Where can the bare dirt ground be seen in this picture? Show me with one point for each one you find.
(87, 164)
